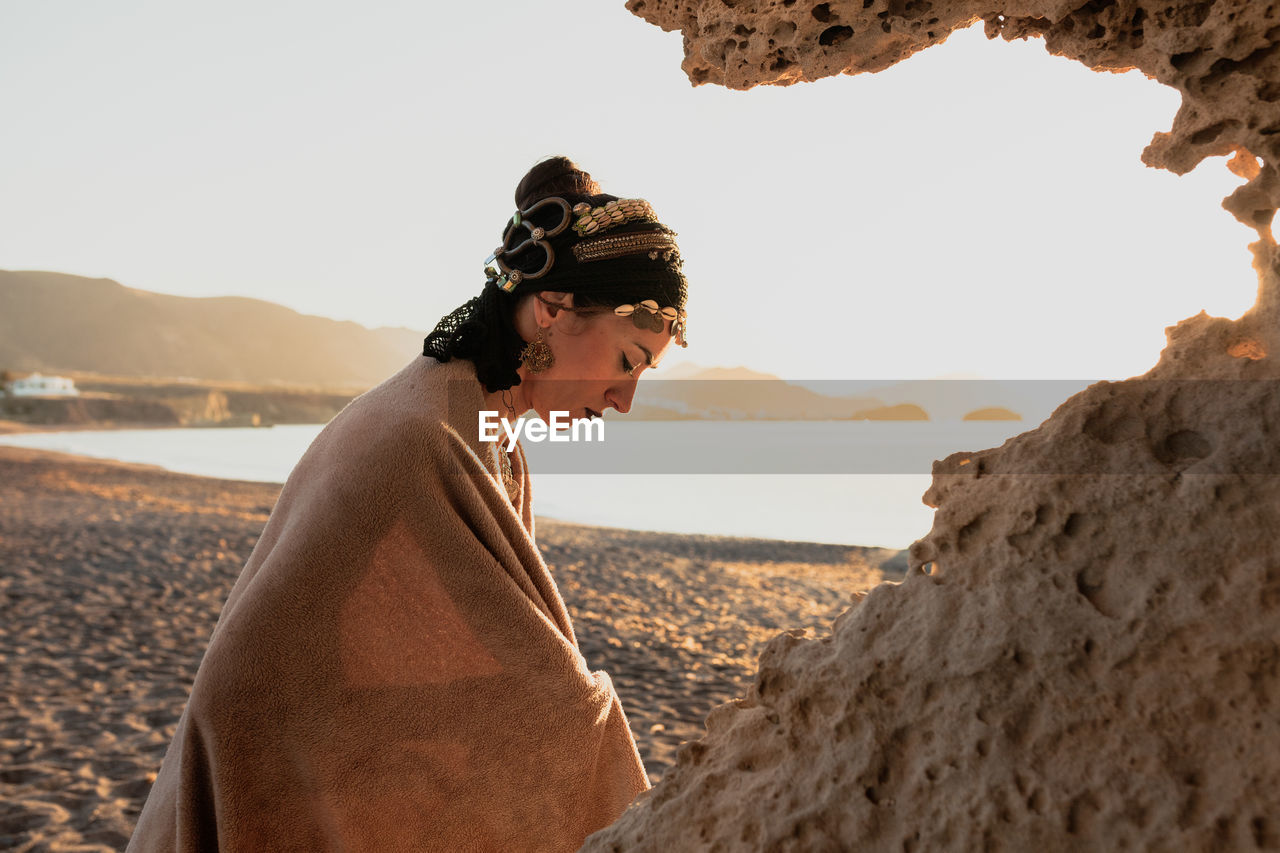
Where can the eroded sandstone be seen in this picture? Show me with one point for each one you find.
(1086, 651)
(1084, 655)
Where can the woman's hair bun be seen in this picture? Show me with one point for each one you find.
(554, 176)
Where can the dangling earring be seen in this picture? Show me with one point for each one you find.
(537, 355)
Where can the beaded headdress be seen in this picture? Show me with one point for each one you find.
(504, 270)
(612, 250)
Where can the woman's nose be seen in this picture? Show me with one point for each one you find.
(620, 396)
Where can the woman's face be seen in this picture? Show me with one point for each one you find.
(598, 359)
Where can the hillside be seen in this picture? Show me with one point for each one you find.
(691, 391)
(57, 322)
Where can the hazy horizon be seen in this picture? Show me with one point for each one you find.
(979, 209)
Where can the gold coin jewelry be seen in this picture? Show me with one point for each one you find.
(537, 355)
(647, 315)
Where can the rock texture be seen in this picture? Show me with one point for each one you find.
(1085, 653)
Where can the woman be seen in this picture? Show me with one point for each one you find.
(395, 668)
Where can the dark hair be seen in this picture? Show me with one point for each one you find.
(554, 176)
(483, 330)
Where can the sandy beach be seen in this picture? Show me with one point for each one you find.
(114, 574)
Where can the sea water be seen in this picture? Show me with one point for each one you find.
(741, 478)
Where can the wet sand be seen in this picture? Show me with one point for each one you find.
(113, 576)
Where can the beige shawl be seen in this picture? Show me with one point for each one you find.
(395, 669)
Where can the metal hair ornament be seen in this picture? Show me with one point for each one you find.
(591, 223)
(503, 274)
(647, 315)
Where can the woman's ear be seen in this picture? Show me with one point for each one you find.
(545, 314)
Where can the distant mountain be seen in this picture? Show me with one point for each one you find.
(689, 370)
(752, 394)
(960, 397)
(52, 321)
(992, 413)
(735, 393)
(898, 412)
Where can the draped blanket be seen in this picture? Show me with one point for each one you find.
(395, 669)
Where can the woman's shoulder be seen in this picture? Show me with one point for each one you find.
(421, 410)
(391, 444)
(423, 391)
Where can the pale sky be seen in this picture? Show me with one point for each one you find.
(980, 209)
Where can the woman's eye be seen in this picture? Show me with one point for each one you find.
(626, 365)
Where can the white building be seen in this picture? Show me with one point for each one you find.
(37, 385)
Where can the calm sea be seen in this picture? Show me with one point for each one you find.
(669, 476)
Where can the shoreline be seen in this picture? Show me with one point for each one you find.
(761, 541)
(116, 573)
(874, 517)
(8, 427)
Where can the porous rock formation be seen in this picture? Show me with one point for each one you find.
(1086, 651)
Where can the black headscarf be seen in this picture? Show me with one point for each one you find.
(482, 329)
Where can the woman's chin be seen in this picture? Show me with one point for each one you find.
(566, 415)
(545, 414)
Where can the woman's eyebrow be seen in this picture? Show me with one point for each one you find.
(647, 355)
